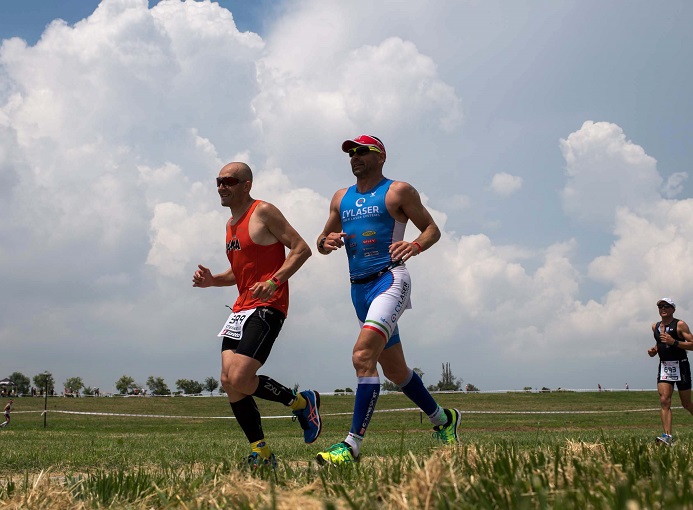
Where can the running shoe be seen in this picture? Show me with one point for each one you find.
(447, 434)
(256, 461)
(309, 417)
(337, 455)
(665, 439)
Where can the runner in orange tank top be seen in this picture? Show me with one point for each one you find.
(254, 263)
(257, 236)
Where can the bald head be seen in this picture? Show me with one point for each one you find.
(239, 170)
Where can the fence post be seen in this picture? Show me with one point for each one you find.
(45, 403)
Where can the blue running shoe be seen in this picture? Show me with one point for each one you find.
(309, 418)
(665, 439)
(256, 461)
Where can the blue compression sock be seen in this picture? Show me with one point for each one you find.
(367, 393)
(416, 391)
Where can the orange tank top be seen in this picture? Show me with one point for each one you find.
(252, 263)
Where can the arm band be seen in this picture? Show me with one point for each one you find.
(271, 282)
(418, 246)
(321, 243)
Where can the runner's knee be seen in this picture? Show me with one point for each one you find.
(243, 381)
(364, 360)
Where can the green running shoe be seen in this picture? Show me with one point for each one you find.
(337, 455)
(447, 434)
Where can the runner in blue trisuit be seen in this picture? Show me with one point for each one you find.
(368, 220)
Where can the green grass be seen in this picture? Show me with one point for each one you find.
(596, 451)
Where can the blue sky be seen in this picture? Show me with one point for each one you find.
(29, 18)
(549, 140)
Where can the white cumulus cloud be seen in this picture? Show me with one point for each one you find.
(606, 171)
(504, 184)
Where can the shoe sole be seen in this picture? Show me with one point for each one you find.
(659, 440)
(324, 462)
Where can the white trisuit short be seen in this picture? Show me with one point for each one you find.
(379, 304)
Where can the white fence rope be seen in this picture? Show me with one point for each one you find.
(404, 409)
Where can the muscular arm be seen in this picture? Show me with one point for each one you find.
(684, 332)
(405, 204)
(279, 227)
(332, 233)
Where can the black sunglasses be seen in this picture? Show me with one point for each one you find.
(362, 150)
(664, 306)
(228, 181)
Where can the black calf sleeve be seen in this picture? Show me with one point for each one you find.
(248, 417)
(269, 389)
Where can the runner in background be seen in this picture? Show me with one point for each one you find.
(7, 411)
(673, 338)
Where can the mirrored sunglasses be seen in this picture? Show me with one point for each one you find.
(362, 150)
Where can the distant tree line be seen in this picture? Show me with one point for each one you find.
(155, 385)
(126, 385)
(42, 382)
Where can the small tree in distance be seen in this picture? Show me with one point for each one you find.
(21, 383)
(74, 385)
(388, 385)
(211, 384)
(157, 386)
(188, 386)
(125, 385)
(448, 382)
(43, 379)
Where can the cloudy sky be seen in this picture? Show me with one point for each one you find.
(551, 141)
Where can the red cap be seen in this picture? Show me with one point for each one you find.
(362, 140)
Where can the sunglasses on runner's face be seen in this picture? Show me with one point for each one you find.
(227, 181)
(362, 150)
(664, 306)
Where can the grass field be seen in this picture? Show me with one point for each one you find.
(519, 450)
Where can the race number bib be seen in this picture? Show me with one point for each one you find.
(669, 371)
(234, 324)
